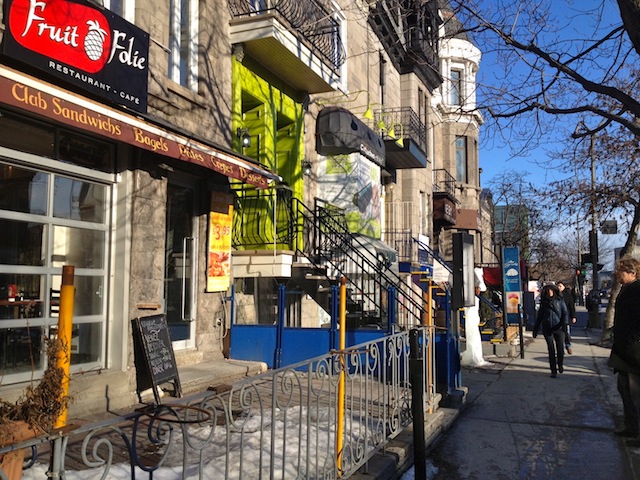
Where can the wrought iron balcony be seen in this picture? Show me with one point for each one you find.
(311, 26)
(443, 182)
(405, 136)
(409, 31)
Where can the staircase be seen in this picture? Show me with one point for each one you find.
(373, 286)
(324, 250)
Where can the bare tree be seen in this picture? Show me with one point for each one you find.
(558, 72)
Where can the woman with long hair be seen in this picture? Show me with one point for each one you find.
(553, 316)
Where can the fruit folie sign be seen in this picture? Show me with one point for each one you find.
(81, 44)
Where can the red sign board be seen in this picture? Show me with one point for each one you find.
(82, 45)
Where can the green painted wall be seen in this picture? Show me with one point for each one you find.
(276, 125)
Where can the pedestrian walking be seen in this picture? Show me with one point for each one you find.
(570, 302)
(552, 317)
(625, 352)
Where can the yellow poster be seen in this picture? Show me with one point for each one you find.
(219, 254)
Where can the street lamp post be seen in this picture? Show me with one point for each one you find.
(594, 312)
(594, 307)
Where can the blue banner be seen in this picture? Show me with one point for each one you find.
(512, 283)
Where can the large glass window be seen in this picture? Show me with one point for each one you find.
(461, 159)
(183, 42)
(49, 220)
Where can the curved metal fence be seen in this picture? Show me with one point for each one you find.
(283, 424)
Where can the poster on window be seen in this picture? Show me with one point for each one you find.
(219, 250)
(352, 182)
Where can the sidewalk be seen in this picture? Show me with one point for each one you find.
(518, 423)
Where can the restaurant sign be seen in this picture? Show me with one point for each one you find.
(83, 45)
(33, 96)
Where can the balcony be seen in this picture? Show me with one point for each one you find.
(443, 183)
(294, 39)
(405, 138)
(409, 32)
(445, 210)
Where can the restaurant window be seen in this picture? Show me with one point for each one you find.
(50, 217)
(183, 35)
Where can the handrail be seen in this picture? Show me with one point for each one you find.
(336, 245)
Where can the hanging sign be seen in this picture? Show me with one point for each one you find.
(512, 283)
(83, 45)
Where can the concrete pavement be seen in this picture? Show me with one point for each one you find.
(518, 423)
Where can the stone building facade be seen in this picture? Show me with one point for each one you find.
(168, 199)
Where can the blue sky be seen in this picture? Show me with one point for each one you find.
(495, 155)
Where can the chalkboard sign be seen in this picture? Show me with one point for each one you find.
(153, 353)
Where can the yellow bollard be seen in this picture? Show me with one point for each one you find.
(341, 386)
(65, 321)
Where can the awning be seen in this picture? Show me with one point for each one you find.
(377, 248)
(338, 131)
(30, 94)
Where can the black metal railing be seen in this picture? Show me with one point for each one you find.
(411, 249)
(410, 125)
(309, 20)
(266, 219)
(328, 241)
(443, 182)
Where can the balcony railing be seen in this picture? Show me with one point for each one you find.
(444, 182)
(411, 125)
(308, 19)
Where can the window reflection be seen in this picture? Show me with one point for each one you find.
(87, 298)
(79, 247)
(21, 243)
(78, 200)
(23, 190)
(21, 349)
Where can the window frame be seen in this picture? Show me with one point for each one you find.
(461, 149)
(456, 86)
(56, 168)
(183, 62)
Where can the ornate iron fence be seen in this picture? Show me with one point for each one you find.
(282, 424)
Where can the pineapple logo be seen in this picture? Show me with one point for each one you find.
(94, 41)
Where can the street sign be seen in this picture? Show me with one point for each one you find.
(609, 227)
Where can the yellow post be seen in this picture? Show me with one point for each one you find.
(65, 318)
(341, 388)
(430, 342)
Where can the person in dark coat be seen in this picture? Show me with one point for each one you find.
(569, 300)
(553, 317)
(625, 352)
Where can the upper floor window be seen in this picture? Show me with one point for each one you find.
(183, 42)
(461, 159)
(456, 87)
(123, 8)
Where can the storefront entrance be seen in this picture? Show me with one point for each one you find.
(179, 264)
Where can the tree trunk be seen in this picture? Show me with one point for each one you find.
(629, 246)
(630, 12)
